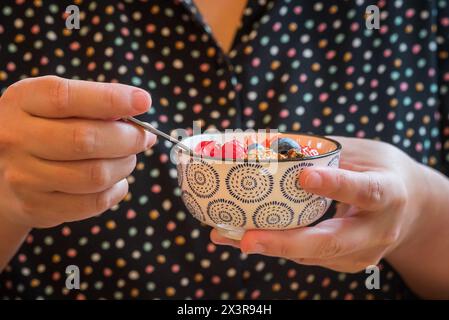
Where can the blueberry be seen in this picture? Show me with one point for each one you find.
(256, 146)
(282, 145)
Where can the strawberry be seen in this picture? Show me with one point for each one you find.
(250, 139)
(233, 150)
(200, 146)
(212, 149)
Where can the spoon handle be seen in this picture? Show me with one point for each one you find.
(157, 132)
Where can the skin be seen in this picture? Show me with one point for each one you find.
(390, 207)
(223, 17)
(63, 157)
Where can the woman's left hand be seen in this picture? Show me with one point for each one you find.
(380, 190)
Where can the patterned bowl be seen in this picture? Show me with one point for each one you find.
(234, 196)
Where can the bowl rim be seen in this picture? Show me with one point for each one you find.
(323, 155)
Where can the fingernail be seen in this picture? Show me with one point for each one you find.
(140, 100)
(314, 180)
(257, 248)
(150, 140)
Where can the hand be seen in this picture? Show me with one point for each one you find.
(63, 157)
(380, 190)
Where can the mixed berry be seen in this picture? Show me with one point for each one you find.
(278, 148)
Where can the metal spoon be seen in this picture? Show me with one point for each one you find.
(150, 128)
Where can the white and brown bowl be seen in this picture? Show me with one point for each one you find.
(236, 195)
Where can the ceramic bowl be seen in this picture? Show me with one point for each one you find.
(236, 195)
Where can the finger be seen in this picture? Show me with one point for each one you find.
(368, 190)
(78, 177)
(327, 240)
(54, 97)
(56, 207)
(357, 153)
(220, 240)
(76, 139)
(322, 263)
(351, 263)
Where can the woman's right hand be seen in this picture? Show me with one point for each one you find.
(63, 155)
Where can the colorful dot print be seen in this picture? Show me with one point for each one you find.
(302, 66)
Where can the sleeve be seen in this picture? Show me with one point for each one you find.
(443, 65)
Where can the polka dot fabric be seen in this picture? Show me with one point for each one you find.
(295, 65)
